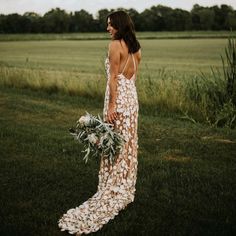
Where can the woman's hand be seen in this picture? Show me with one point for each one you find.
(111, 114)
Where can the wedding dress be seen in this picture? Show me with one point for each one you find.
(116, 187)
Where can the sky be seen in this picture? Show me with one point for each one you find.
(92, 6)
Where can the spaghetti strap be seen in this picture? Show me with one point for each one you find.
(125, 65)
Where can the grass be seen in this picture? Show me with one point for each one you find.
(181, 55)
(186, 172)
(76, 67)
(104, 36)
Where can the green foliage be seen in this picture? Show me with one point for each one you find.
(230, 70)
(156, 18)
(216, 94)
(82, 21)
(207, 92)
(98, 137)
(56, 20)
(226, 116)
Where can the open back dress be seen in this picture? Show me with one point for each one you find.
(116, 187)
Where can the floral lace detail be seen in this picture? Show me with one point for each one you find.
(116, 187)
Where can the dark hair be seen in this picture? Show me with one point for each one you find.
(122, 22)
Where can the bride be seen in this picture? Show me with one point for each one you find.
(116, 187)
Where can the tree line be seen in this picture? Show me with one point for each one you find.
(157, 18)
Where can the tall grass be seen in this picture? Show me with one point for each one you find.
(198, 97)
(230, 70)
(216, 94)
(201, 98)
(52, 82)
(163, 92)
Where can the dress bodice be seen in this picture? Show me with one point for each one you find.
(126, 101)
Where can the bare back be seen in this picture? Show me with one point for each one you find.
(126, 66)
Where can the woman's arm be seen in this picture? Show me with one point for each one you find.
(114, 58)
(139, 60)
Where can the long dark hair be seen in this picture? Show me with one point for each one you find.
(122, 22)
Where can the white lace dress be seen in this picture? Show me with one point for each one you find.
(116, 187)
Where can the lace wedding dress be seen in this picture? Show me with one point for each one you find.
(116, 187)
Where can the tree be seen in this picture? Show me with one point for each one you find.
(231, 20)
(34, 20)
(206, 16)
(160, 15)
(101, 17)
(153, 19)
(56, 20)
(181, 20)
(14, 23)
(225, 11)
(196, 24)
(157, 18)
(221, 15)
(2, 23)
(82, 21)
(135, 16)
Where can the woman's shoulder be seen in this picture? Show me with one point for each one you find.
(114, 44)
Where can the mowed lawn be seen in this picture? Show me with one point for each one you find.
(186, 173)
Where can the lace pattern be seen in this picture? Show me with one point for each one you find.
(116, 187)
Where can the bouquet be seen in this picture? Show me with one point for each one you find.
(99, 138)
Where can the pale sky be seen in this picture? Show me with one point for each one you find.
(42, 6)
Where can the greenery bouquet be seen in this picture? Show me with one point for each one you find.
(99, 138)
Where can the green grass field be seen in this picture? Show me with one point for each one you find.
(186, 172)
(185, 55)
(77, 67)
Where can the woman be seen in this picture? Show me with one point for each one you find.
(116, 187)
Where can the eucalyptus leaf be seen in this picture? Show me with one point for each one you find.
(99, 138)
